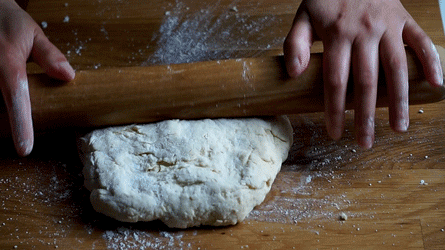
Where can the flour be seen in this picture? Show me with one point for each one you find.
(31, 193)
(188, 32)
(186, 36)
(58, 184)
(298, 200)
(128, 238)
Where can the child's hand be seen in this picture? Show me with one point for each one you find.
(357, 35)
(22, 39)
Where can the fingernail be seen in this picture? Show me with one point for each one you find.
(439, 73)
(332, 131)
(367, 142)
(297, 65)
(335, 133)
(23, 137)
(24, 147)
(402, 125)
(334, 127)
(68, 70)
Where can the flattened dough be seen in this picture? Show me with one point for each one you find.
(184, 173)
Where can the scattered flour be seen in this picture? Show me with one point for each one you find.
(49, 188)
(295, 198)
(299, 201)
(128, 238)
(186, 36)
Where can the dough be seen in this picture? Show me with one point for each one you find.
(184, 173)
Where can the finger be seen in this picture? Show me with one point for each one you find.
(298, 43)
(365, 71)
(393, 57)
(50, 58)
(336, 64)
(425, 50)
(14, 87)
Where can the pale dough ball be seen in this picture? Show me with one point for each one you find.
(184, 173)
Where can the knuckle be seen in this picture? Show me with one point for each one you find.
(368, 24)
(367, 79)
(421, 37)
(395, 63)
(371, 26)
(340, 28)
(367, 85)
(336, 82)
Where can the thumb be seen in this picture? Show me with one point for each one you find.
(49, 57)
(298, 44)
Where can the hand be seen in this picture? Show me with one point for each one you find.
(20, 39)
(357, 35)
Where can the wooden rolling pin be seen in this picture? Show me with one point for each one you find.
(228, 88)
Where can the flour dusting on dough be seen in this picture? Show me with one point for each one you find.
(185, 173)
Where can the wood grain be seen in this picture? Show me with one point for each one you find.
(44, 204)
(213, 89)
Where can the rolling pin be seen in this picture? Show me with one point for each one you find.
(226, 88)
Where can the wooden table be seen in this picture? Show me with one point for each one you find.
(393, 195)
